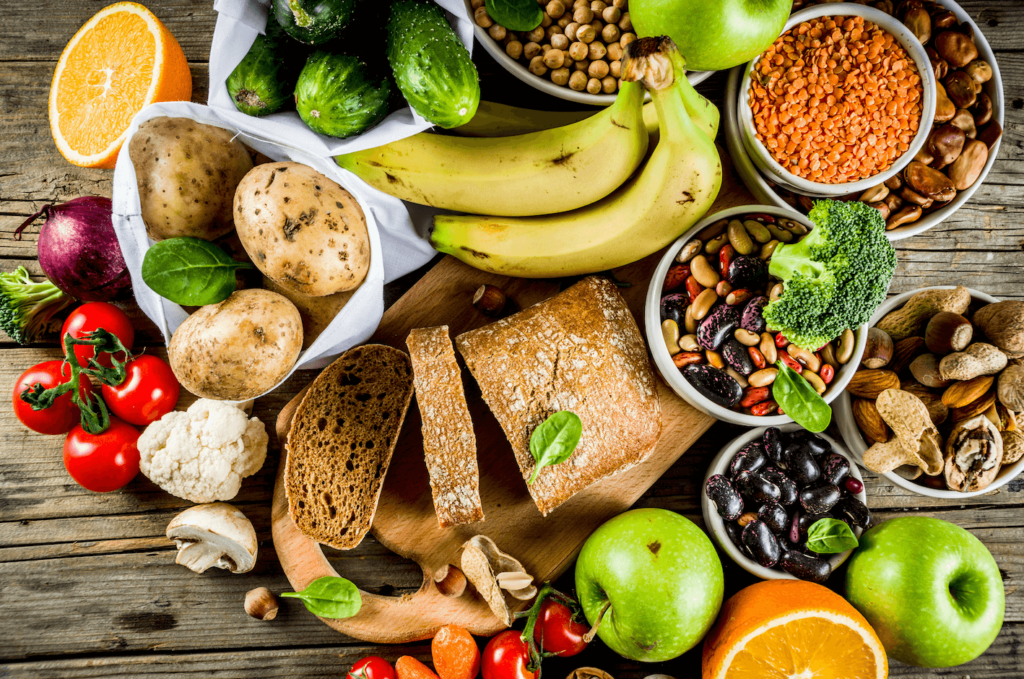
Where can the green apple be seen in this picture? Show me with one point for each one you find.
(654, 580)
(930, 589)
(715, 36)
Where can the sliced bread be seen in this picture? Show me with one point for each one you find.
(341, 440)
(449, 444)
(578, 351)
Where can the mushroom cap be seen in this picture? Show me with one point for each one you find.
(214, 535)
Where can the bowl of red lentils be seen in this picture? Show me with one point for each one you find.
(840, 102)
(576, 52)
(705, 327)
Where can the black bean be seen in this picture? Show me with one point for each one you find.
(755, 487)
(786, 485)
(853, 509)
(835, 468)
(673, 308)
(800, 465)
(809, 519)
(760, 542)
(819, 499)
(752, 319)
(772, 439)
(735, 354)
(750, 458)
(735, 533)
(805, 567)
(718, 326)
(714, 384)
(816, 445)
(774, 516)
(748, 272)
(724, 497)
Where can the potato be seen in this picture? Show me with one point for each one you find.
(239, 348)
(187, 174)
(302, 230)
(316, 312)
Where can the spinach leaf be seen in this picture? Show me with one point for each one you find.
(555, 440)
(190, 271)
(330, 597)
(830, 536)
(797, 398)
(515, 15)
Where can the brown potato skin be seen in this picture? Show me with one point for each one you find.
(316, 312)
(187, 173)
(239, 348)
(302, 230)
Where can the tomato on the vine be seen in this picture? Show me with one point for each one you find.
(557, 631)
(372, 667)
(507, 656)
(149, 391)
(103, 462)
(60, 417)
(93, 316)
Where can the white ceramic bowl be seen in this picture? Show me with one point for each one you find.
(858, 446)
(519, 70)
(663, 360)
(716, 526)
(764, 190)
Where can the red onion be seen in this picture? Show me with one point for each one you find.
(79, 252)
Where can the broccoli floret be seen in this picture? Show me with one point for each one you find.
(26, 306)
(835, 277)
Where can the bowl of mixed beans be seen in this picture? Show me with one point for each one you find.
(840, 102)
(705, 325)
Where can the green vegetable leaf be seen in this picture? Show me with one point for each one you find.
(515, 15)
(330, 597)
(190, 271)
(555, 440)
(830, 536)
(798, 399)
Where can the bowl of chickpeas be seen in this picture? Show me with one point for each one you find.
(575, 53)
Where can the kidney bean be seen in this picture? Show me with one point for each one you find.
(774, 516)
(735, 533)
(725, 256)
(765, 408)
(800, 465)
(676, 277)
(755, 487)
(685, 358)
(786, 485)
(809, 519)
(761, 543)
(853, 511)
(805, 566)
(673, 307)
(827, 373)
(796, 535)
(723, 288)
(772, 440)
(757, 357)
(725, 497)
(791, 362)
(821, 498)
(738, 297)
(765, 219)
(835, 468)
(693, 288)
(853, 485)
(817, 445)
(750, 458)
(780, 341)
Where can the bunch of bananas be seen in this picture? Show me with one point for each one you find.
(576, 199)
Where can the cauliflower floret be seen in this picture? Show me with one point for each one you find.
(203, 454)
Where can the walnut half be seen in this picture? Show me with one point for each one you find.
(974, 451)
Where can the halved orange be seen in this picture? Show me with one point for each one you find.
(121, 60)
(789, 629)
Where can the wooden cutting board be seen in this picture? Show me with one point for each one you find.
(405, 521)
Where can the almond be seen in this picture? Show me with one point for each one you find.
(960, 394)
(870, 422)
(905, 351)
(870, 383)
(974, 408)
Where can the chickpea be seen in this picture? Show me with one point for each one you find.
(477, 3)
(546, 21)
(580, 3)
(554, 58)
(612, 15)
(597, 6)
(598, 69)
(530, 50)
(609, 84)
(555, 9)
(510, 37)
(610, 33)
(614, 51)
(537, 66)
(497, 31)
(584, 15)
(564, 21)
(597, 51)
(570, 31)
(594, 86)
(560, 42)
(544, 49)
(582, 66)
(625, 23)
(578, 81)
(514, 49)
(597, 26)
(620, 4)
(536, 35)
(560, 76)
(482, 18)
(552, 31)
(578, 51)
(627, 38)
(586, 34)
(615, 69)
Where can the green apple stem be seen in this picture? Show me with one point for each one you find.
(589, 636)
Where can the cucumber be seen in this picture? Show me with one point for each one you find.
(264, 80)
(432, 67)
(339, 95)
(314, 22)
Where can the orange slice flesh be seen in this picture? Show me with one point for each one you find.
(122, 59)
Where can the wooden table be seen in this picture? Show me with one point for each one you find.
(88, 583)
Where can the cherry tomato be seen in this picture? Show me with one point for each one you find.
(149, 391)
(557, 632)
(93, 316)
(372, 667)
(103, 462)
(506, 657)
(63, 414)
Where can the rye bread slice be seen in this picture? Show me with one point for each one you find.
(341, 440)
(581, 351)
(449, 444)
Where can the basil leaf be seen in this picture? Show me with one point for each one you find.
(830, 536)
(515, 15)
(555, 440)
(798, 399)
(190, 271)
(330, 597)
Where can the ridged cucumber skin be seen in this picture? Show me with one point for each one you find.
(264, 80)
(314, 22)
(432, 67)
(337, 95)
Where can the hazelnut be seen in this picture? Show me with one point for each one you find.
(878, 351)
(947, 332)
(261, 604)
(489, 300)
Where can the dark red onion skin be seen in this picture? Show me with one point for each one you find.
(79, 252)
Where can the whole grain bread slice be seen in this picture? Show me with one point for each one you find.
(449, 444)
(341, 440)
(578, 351)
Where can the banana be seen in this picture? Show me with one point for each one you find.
(674, 189)
(530, 174)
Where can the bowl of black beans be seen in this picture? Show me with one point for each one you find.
(765, 490)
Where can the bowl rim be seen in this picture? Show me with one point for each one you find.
(764, 160)
(764, 192)
(663, 361)
(855, 441)
(494, 48)
(716, 525)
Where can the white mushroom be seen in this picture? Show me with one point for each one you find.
(214, 535)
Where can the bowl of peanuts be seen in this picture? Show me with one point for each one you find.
(576, 52)
(704, 322)
(842, 101)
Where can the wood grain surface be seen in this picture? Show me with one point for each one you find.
(88, 584)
